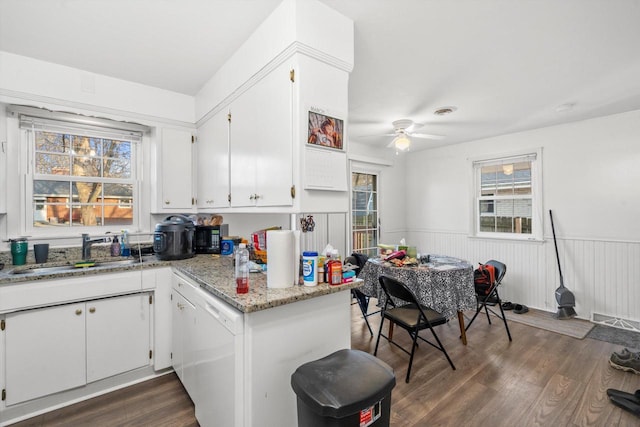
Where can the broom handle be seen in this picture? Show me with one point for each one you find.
(556, 245)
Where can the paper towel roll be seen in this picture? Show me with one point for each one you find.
(282, 267)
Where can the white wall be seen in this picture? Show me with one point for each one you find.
(37, 82)
(590, 175)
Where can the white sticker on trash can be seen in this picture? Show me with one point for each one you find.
(369, 415)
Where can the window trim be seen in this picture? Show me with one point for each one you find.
(537, 216)
(28, 175)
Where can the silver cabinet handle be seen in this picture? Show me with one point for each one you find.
(167, 202)
(78, 312)
(92, 310)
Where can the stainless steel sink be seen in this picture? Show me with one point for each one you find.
(53, 269)
(122, 262)
(43, 270)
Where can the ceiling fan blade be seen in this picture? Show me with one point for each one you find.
(427, 136)
(377, 135)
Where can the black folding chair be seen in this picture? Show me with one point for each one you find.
(484, 301)
(411, 316)
(359, 260)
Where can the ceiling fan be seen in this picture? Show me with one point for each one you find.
(404, 131)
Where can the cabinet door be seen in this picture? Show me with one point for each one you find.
(45, 351)
(213, 162)
(181, 310)
(274, 152)
(175, 170)
(118, 335)
(244, 137)
(261, 143)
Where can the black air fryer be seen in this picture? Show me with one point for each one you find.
(174, 238)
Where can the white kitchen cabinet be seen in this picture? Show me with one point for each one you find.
(45, 351)
(213, 162)
(57, 348)
(261, 150)
(162, 316)
(184, 315)
(118, 335)
(174, 171)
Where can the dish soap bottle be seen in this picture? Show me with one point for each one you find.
(115, 247)
(242, 269)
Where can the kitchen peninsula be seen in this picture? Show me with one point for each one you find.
(241, 349)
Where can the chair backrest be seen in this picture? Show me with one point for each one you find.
(361, 259)
(501, 269)
(358, 260)
(395, 288)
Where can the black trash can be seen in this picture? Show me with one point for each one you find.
(347, 388)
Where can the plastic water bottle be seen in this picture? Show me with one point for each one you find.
(242, 269)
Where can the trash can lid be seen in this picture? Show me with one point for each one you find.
(343, 383)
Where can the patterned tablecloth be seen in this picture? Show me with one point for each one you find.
(445, 284)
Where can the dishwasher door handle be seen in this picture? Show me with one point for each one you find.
(215, 312)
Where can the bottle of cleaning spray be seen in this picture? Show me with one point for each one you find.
(115, 247)
(124, 244)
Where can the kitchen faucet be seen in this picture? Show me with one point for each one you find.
(86, 245)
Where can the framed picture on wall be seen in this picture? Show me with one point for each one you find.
(325, 131)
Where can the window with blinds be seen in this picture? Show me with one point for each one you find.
(79, 174)
(507, 197)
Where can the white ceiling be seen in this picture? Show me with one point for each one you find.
(507, 65)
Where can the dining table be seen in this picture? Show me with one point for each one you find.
(443, 283)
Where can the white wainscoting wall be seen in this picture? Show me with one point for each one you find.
(603, 275)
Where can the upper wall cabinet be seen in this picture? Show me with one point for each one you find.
(174, 175)
(261, 152)
(213, 162)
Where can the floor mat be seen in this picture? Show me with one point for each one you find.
(546, 320)
(628, 339)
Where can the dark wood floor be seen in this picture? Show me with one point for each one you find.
(161, 402)
(539, 379)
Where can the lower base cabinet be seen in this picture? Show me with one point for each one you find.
(53, 349)
(45, 351)
(237, 366)
(118, 335)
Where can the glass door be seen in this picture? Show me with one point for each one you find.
(365, 228)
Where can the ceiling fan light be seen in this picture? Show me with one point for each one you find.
(402, 142)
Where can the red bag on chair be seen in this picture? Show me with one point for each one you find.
(483, 278)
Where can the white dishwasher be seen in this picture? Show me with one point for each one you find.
(218, 362)
(213, 349)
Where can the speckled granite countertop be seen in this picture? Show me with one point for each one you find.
(214, 274)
